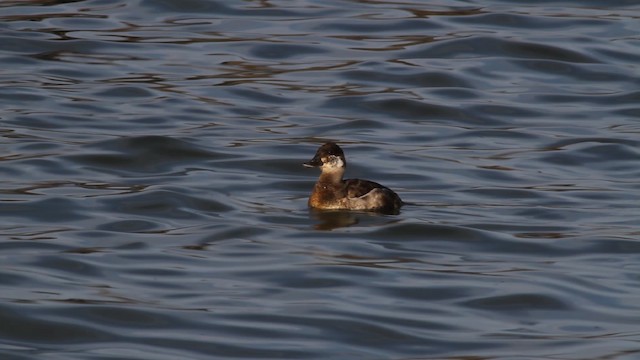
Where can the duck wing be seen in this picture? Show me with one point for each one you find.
(358, 187)
(369, 195)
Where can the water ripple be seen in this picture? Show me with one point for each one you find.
(154, 202)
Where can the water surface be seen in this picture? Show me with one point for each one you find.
(153, 201)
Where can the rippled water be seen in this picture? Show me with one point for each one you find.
(153, 202)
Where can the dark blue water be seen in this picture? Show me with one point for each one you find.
(153, 202)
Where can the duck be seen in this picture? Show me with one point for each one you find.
(332, 192)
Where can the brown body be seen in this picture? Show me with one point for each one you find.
(331, 192)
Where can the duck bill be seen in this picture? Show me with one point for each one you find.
(315, 162)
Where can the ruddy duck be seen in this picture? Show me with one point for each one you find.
(331, 192)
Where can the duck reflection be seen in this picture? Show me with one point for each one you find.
(334, 219)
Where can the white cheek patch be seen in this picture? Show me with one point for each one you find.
(334, 162)
(338, 162)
